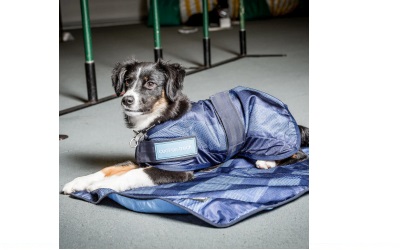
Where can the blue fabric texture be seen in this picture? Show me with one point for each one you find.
(222, 196)
(270, 131)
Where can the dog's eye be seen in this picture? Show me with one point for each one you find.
(150, 85)
(128, 81)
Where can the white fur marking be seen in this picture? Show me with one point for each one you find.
(265, 164)
(143, 121)
(137, 77)
(135, 95)
(132, 179)
(136, 98)
(80, 183)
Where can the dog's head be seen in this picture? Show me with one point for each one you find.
(148, 89)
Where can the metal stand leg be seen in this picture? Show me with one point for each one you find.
(242, 36)
(63, 35)
(242, 31)
(156, 29)
(89, 63)
(206, 38)
(60, 27)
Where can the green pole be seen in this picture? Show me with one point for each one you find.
(242, 31)
(241, 11)
(156, 30)
(206, 38)
(87, 36)
(205, 19)
(89, 62)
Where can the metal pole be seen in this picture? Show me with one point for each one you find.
(157, 35)
(89, 62)
(64, 36)
(206, 38)
(61, 28)
(242, 32)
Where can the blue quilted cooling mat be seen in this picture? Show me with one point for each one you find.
(220, 197)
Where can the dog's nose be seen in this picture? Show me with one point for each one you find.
(127, 100)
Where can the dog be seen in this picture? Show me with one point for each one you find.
(152, 94)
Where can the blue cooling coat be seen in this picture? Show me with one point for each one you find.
(240, 122)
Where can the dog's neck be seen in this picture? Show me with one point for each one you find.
(169, 111)
(142, 122)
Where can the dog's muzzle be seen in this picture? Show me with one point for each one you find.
(127, 100)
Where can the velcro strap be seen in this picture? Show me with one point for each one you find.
(231, 122)
(166, 150)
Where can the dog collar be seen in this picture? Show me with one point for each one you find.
(139, 135)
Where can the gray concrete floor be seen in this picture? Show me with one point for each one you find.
(98, 138)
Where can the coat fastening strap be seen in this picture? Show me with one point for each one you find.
(231, 121)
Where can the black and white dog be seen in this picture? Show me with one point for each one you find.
(152, 95)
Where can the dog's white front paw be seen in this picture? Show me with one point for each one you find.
(81, 183)
(265, 164)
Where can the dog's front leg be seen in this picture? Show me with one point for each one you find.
(159, 176)
(82, 183)
(125, 176)
(133, 178)
(140, 177)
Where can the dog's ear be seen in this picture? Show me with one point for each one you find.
(117, 78)
(118, 75)
(175, 74)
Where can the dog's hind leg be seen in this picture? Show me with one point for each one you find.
(265, 164)
(299, 156)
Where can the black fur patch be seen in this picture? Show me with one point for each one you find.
(118, 75)
(175, 74)
(299, 156)
(304, 136)
(159, 176)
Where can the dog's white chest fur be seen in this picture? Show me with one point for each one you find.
(143, 121)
